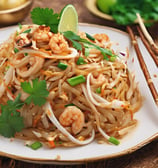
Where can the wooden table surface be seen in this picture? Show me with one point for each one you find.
(146, 157)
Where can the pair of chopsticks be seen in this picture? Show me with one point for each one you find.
(142, 63)
(147, 40)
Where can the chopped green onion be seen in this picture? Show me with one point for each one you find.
(20, 26)
(113, 140)
(76, 80)
(90, 37)
(62, 66)
(16, 50)
(98, 90)
(7, 67)
(60, 142)
(27, 31)
(80, 61)
(86, 52)
(36, 145)
(112, 58)
(71, 104)
(17, 33)
(25, 54)
(9, 88)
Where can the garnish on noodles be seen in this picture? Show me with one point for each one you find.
(65, 89)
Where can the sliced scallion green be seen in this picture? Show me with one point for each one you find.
(90, 37)
(20, 26)
(27, 31)
(36, 145)
(80, 61)
(86, 52)
(98, 90)
(113, 140)
(71, 104)
(112, 58)
(16, 50)
(62, 66)
(26, 54)
(76, 80)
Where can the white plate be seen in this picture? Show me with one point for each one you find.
(145, 132)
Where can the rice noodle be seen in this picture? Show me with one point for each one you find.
(51, 116)
(100, 107)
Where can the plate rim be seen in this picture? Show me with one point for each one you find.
(57, 161)
(81, 161)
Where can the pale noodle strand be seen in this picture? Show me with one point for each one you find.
(39, 53)
(6, 80)
(102, 102)
(51, 116)
(96, 115)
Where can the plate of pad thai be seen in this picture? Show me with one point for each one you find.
(71, 97)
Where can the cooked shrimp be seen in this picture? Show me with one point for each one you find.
(42, 36)
(82, 34)
(74, 117)
(58, 44)
(99, 80)
(101, 37)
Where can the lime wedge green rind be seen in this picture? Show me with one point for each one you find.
(68, 20)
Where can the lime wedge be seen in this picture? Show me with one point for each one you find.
(68, 20)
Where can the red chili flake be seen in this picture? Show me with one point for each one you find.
(155, 75)
(133, 59)
(122, 105)
(48, 112)
(58, 157)
(11, 139)
(127, 51)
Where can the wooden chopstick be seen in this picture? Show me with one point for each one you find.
(147, 45)
(143, 66)
(153, 45)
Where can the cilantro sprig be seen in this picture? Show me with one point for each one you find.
(124, 12)
(10, 119)
(37, 91)
(77, 43)
(45, 16)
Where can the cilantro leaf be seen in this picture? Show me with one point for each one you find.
(38, 91)
(74, 38)
(45, 16)
(12, 106)
(76, 45)
(10, 120)
(77, 41)
(6, 130)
